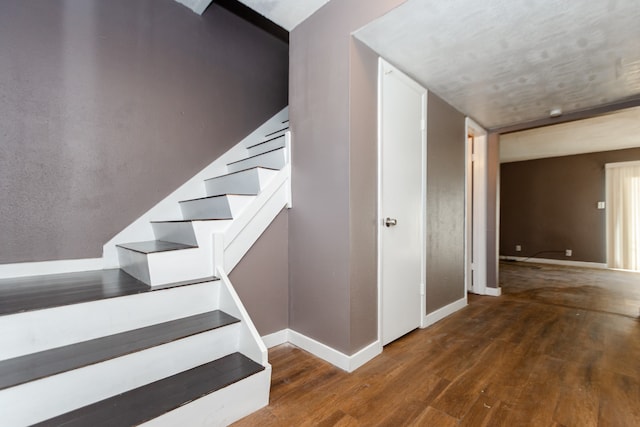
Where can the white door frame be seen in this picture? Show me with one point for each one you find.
(382, 64)
(476, 209)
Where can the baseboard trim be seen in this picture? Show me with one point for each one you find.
(584, 264)
(276, 338)
(333, 356)
(443, 312)
(23, 269)
(493, 292)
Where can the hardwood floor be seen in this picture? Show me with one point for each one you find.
(557, 349)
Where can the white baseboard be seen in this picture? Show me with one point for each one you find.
(276, 338)
(584, 264)
(333, 356)
(493, 292)
(23, 269)
(443, 312)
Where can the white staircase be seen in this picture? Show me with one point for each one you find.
(119, 360)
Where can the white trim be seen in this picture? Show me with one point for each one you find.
(23, 269)
(584, 264)
(333, 356)
(478, 211)
(443, 312)
(493, 292)
(276, 338)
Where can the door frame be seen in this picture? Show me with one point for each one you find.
(382, 64)
(475, 196)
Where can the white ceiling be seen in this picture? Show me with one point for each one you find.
(613, 131)
(501, 61)
(511, 61)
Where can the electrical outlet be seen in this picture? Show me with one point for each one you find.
(568, 252)
(518, 248)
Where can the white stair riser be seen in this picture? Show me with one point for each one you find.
(273, 159)
(266, 146)
(217, 207)
(135, 264)
(188, 233)
(40, 330)
(223, 407)
(249, 181)
(43, 399)
(176, 266)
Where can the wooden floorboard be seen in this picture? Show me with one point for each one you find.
(561, 347)
(53, 290)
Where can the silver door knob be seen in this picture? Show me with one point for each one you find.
(389, 222)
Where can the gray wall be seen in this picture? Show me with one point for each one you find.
(445, 203)
(108, 106)
(551, 205)
(332, 296)
(261, 278)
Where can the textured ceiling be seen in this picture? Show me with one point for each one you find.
(613, 131)
(511, 61)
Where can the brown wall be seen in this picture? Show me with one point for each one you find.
(332, 294)
(493, 203)
(261, 278)
(550, 205)
(445, 204)
(108, 106)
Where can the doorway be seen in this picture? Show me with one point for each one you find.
(476, 209)
(402, 107)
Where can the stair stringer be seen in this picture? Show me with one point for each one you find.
(141, 229)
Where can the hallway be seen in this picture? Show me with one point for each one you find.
(559, 348)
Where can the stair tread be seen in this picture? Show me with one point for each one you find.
(243, 170)
(153, 246)
(45, 363)
(53, 290)
(257, 155)
(190, 220)
(213, 197)
(277, 131)
(265, 141)
(150, 401)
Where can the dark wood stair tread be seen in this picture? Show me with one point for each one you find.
(257, 155)
(34, 366)
(150, 401)
(278, 131)
(213, 197)
(53, 290)
(265, 141)
(190, 220)
(153, 246)
(243, 170)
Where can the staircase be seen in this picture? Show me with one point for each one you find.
(162, 340)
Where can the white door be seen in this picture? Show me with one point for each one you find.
(402, 180)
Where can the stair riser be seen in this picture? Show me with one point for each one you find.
(273, 159)
(223, 407)
(43, 399)
(35, 331)
(246, 182)
(175, 266)
(218, 207)
(267, 146)
(135, 264)
(189, 233)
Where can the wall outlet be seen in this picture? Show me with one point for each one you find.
(601, 205)
(518, 248)
(568, 252)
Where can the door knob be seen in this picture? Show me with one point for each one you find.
(389, 222)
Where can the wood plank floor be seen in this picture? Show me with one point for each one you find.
(528, 358)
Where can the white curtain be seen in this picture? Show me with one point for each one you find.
(623, 215)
